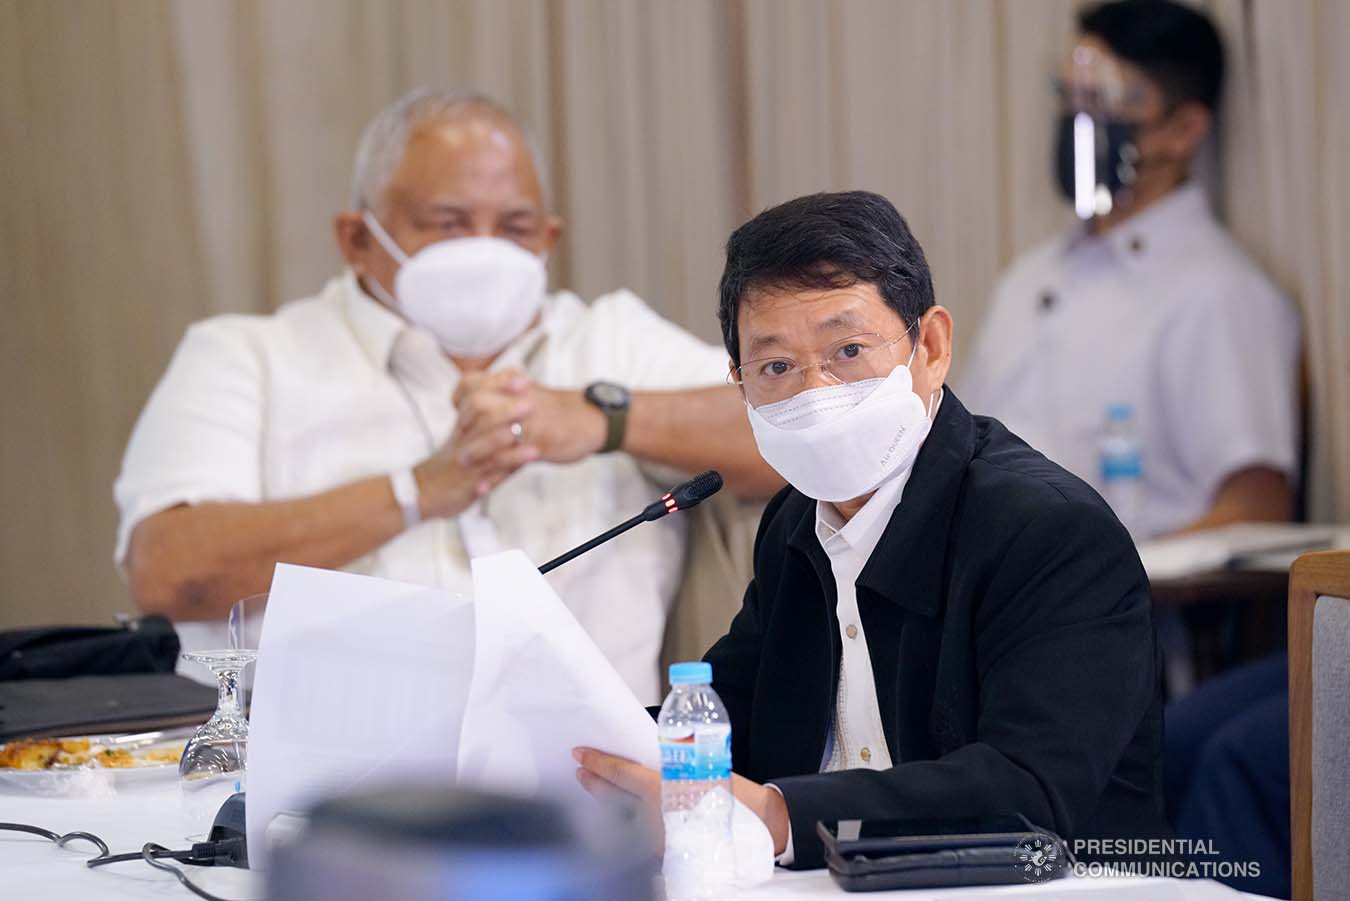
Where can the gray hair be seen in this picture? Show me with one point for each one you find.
(385, 139)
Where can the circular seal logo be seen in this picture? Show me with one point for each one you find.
(1038, 858)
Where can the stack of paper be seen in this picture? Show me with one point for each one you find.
(1246, 546)
(363, 679)
(358, 679)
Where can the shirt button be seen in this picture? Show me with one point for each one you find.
(865, 754)
(851, 631)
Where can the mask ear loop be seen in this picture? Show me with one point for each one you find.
(388, 243)
(914, 350)
(390, 247)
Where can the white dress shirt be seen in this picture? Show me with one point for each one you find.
(336, 388)
(1165, 313)
(856, 739)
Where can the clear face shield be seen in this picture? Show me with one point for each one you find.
(1096, 155)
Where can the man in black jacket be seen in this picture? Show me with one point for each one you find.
(942, 622)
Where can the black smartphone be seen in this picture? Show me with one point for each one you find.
(872, 855)
(877, 837)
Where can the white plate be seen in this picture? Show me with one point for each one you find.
(91, 780)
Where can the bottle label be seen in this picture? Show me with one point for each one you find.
(1122, 466)
(701, 752)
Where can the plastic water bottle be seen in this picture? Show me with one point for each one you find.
(1122, 466)
(696, 798)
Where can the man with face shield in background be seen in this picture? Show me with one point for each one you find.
(1149, 314)
(432, 404)
(1146, 313)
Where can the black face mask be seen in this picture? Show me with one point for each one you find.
(1115, 163)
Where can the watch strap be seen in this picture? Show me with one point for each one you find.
(617, 422)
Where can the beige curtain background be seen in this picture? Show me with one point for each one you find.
(164, 160)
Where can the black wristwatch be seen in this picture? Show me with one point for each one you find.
(613, 400)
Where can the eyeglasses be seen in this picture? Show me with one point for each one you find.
(771, 379)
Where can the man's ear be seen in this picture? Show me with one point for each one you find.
(935, 339)
(731, 377)
(553, 230)
(353, 239)
(1189, 126)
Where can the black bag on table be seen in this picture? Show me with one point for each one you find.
(74, 680)
(148, 645)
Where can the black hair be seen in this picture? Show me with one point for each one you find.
(1175, 45)
(825, 241)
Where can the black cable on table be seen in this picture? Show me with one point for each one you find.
(138, 855)
(59, 839)
(154, 855)
(203, 853)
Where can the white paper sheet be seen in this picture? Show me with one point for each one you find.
(366, 679)
(540, 688)
(357, 679)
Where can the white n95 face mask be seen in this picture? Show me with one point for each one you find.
(475, 295)
(841, 441)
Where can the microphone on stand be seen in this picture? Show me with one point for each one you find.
(681, 497)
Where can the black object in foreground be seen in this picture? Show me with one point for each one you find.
(429, 842)
(681, 497)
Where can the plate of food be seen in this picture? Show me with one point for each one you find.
(82, 763)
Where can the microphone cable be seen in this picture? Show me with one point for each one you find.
(224, 852)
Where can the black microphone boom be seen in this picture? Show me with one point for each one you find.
(681, 497)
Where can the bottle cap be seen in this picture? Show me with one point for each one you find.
(691, 673)
(1119, 412)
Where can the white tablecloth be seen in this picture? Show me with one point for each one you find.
(33, 868)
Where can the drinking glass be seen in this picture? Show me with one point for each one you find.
(215, 759)
(212, 766)
(245, 631)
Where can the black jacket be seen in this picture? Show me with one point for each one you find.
(1009, 625)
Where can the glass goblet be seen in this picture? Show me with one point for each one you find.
(213, 762)
(244, 626)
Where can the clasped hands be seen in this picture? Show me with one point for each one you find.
(504, 421)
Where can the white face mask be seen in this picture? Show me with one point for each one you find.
(475, 295)
(839, 442)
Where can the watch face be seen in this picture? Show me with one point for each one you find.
(608, 395)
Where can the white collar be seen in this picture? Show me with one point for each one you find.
(863, 531)
(376, 326)
(1154, 229)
